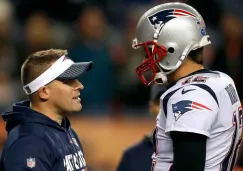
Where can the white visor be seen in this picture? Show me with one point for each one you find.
(63, 68)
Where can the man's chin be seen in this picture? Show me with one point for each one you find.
(77, 109)
(74, 109)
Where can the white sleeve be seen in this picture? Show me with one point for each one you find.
(193, 112)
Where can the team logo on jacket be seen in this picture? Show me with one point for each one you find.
(184, 106)
(74, 141)
(31, 162)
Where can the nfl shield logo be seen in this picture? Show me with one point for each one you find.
(31, 162)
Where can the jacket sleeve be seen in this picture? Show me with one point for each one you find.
(29, 153)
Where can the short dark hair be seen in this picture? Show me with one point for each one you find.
(196, 55)
(39, 62)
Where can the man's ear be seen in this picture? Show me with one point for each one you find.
(44, 93)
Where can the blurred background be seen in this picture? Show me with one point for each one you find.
(115, 103)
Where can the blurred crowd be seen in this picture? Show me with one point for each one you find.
(102, 31)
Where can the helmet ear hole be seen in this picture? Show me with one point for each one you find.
(171, 50)
(159, 81)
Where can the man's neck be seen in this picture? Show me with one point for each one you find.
(47, 112)
(185, 69)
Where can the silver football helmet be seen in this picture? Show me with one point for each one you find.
(168, 33)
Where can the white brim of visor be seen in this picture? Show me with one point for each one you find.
(63, 68)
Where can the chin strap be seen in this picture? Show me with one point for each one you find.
(160, 78)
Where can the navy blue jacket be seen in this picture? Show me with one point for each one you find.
(137, 157)
(37, 143)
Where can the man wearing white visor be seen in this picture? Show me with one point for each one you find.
(40, 137)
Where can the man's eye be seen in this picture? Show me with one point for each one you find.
(65, 81)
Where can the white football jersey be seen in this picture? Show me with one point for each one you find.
(207, 103)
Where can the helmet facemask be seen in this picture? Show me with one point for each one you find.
(175, 26)
(154, 54)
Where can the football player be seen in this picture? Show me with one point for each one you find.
(199, 124)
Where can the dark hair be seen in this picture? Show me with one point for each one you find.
(196, 55)
(39, 62)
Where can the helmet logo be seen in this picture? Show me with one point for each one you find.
(162, 17)
(201, 26)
